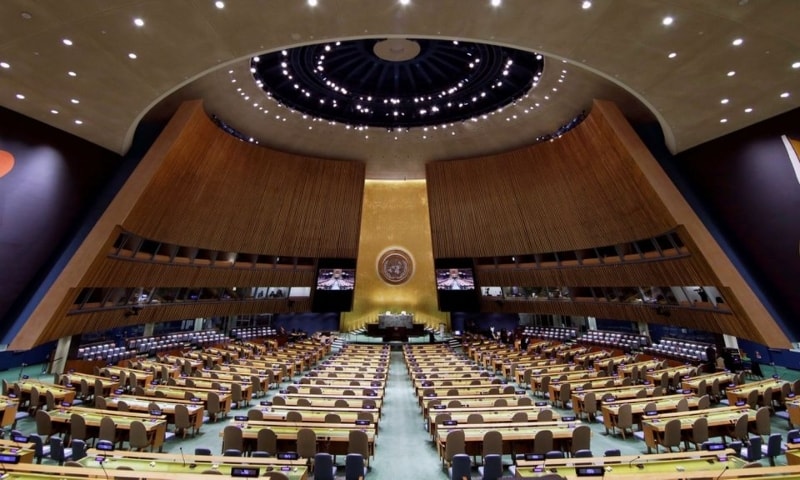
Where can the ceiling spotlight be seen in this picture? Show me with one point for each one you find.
(724, 101)
(72, 74)
(54, 111)
(796, 65)
(138, 22)
(731, 73)
(312, 3)
(496, 3)
(67, 42)
(5, 65)
(785, 95)
(672, 55)
(405, 2)
(79, 122)
(723, 120)
(667, 21)
(219, 4)
(75, 101)
(20, 96)
(748, 110)
(586, 5)
(132, 56)
(737, 42)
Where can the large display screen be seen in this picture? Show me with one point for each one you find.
(336, 279)
(335, 284)
(455, 279)
(456, 285)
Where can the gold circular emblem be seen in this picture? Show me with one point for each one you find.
(395, 266)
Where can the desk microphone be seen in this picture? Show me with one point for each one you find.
(102, 465)
(637, 457)
(183, 459)
(722, 472)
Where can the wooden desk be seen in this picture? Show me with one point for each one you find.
(628, 465)
(24, 451)
(681, 370)
(470, 401)
(227, 377)
(146, 463)
(8, 407)
(74, 381)
(224, 387)
(693, 383)
(741, 392)
(490, 421)
(180, 393)
(167, 407)
(665, 404)
(331, 438)
(143, 377)
(718, 420)
(516, 438)
(597, 382)
(620, 393)
(280, 411)
(335, 390)
(156, 426)
(60, 393)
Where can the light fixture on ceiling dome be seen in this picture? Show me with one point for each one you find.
(397, 83)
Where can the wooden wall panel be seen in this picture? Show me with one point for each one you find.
(115, 273)
(679, 271)
(595, 186)
(200, 187)
(217, 192)
(580, 191)
(102, 320)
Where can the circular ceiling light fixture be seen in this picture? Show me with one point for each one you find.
(397, 83)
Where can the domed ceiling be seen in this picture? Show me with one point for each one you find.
(700, 69)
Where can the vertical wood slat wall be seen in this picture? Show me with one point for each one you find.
(218, 192)
(596, 185)
(579, 191)
(200, 187)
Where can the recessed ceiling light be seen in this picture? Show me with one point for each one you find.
(731, 73)
(736, 42)
(785, 95)
(312, 3)
(21, 96)
(54, 111)
(724, 101)
(5, 65)
(796, 65)
(26, 15)
(72, 74)
(79, 122)
(138, 22)
(67, 42)
(496, 3)
(219, 4)
(586, 5)
(132, 56)
(748, 110)
(723, 120)
(405, 2)
(672, 54)
(667, 21)
(75, 101)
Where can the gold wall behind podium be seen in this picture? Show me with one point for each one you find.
(395, 216)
